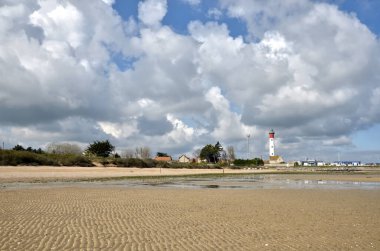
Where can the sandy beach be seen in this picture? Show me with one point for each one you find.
(116, 218)
(181, 219)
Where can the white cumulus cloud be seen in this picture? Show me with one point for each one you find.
(151, 12)
(76, 71)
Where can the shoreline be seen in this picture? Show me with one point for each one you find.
(44, 174)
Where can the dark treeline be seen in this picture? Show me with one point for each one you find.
(103, 153)
(31, 158)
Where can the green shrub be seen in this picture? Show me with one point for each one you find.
(248, 162)
(121, 162)
(14, 158)
(236, 167)
(105, 161)
(149, 163)
(178, 165)
(76, 160)
(134, 162)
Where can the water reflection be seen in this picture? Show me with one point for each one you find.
(252, 181)
(271, 181)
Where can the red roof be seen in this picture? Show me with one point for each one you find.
(163, 158)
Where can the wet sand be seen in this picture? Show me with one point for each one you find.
(47, 173)
(354, 177)
(184, 219)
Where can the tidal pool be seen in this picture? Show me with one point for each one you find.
(252, 181)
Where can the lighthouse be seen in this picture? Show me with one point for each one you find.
(271, 143)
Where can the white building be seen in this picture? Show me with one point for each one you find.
(184, 159)
(312, 162)
(346, 163)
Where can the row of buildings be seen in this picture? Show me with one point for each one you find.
(274, 159)
(334, 163)
(182, 159)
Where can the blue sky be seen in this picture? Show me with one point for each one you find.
(180, 13)
(366, 10)
(178, 74)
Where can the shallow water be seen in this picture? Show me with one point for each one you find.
(271, 181)
(243, 182)
(265, 181)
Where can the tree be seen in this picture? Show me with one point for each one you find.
(221, 154)
(63, 148)
(128, 153)
(39, 150)
(101, 148)
(28, 149)
(197, 153)
(219, 146)
(210, 153)
(18, 148)
(160, 154)
(257, 162)
(231, 153)
(145, 153)
(142, 152)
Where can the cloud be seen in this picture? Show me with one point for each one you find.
(319, 77)
(118, 130)
(261, 16)
(215, 13)
(151, 12)
(154, 127)
(76, 71)
(192, 2)
(109, 2)
(59, 22)
(229, 126)
(343, 140)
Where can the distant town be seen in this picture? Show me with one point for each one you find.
(273, 159)
(103, 153)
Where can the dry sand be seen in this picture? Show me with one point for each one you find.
(182, 219)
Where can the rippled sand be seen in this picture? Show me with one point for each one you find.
(181, 219)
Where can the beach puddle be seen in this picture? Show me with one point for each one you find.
(267, 181)
(256, 182)
(252, 181)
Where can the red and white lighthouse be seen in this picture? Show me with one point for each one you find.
(271, 142)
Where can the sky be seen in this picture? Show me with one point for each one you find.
(175, 75)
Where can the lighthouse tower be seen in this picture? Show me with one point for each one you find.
(271, 142)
